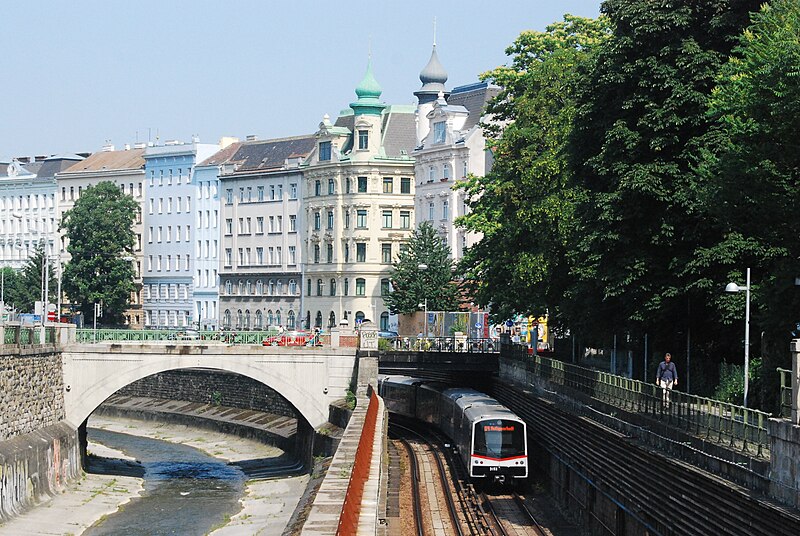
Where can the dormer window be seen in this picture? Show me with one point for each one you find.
(324, 150)
(439, 132)
(363, 139)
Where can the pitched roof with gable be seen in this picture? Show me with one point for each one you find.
(266, 155)
(399, 133)
(57, 163)
(474, 98)
(110, 160)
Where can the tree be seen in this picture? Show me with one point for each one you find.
(638, 131)
(11, 283)
(101, 243)
(524, 208)
(752, 169)
(27, 289)
(434, 284)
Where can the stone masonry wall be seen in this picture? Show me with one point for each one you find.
(211, 387)
(784, 469)
(31, 392)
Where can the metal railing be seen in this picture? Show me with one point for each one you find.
(440, 344)
(786, 393)
(734, 426)
(155, 335)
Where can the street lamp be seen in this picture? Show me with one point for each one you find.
(733, 287)
(422, 267)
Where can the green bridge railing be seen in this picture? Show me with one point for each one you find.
(155, 335)
(734, 426)
(786, 393)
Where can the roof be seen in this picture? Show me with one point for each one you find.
(56, 164)
(110, 160)
(399, 132)
(474, 98)
(263, 155)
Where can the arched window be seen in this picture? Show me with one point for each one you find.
(271, 287)
(359, 317)
(332, 320)
(308, 320)
(319, 287)
(226, 318)
(384, 321)
(249, 286)
(279, 287)
(259, 287)
(247, 319)
(229, 287)
(259, 320)
(318, 320)
(239, 319)
(333, 287)
(270, 318)
(346, 287)
(241, 287)
(292, 287)
(278, 317)
(290, 319)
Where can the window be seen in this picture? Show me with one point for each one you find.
(331, 187)
(260, 198)
(348, 185)
(317, 221)
(318, 320)
(361, 219)
(405, 219)
(384, 321)
(228, 256)
(332, 320)
(361, 252)
(318, 188)
(249, 194)
(293, 191)
(347, 219)
(431, 209)
(465, 170)
(292, 223)
(347, 253)
(229, 196)
(278, 255)
(272, 192)
(431, 174)
(361, 287)
(363, 139)
(445, 209)
(290, 320)
(439, 132)
(385, 287)
(260, 224)
(324, 150)
(362, 185)
(446, 172)
(150, 200)
(316, 253)
(241, 194)
(271, 255)
(292, 255)
(259, 319)
(272, 224)
(346, 287)
(386, 218)
(308, 287)
(329, 252)
(259, 256)
(259, 287)
(319, 287)
(386, 253)
(388, 185)
(280, 192)
(292, 287)
(228, 226)
(333, 287)
(330, 220)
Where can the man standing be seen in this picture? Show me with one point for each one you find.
(667, 378)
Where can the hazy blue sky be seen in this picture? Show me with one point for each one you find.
(78, 73)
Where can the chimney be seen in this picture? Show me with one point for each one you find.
(127, 146)
(251, 137)
(140, 145)
(107, 148)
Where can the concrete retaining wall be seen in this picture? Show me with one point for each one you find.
(35, 465)
(31, 390)
(785, 467)
(211, 387)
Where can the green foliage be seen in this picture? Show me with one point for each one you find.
(731, 384)
(24, 288)
(435, 284)
(101, 244)
(384, 345)
(12, 288)
(350, 399)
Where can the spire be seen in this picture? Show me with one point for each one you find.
(433, 76)
(368, 92)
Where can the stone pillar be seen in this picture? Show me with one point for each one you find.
(335, 337)
(795, 350)
(368, 337)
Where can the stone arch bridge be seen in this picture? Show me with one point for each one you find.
(309, 378)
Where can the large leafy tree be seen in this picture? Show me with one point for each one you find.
(752, 167)
(434, 284)
(637, 136)
(101, 243)
(524, 207)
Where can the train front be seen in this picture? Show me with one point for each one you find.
(499, 450)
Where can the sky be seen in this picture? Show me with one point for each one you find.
(80, 74)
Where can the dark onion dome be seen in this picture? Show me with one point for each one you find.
(433, 78)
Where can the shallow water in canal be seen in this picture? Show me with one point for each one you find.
(186, 491)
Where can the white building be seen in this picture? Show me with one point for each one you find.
(359, 201)
(450, 146)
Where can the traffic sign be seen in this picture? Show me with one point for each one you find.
(478, 325)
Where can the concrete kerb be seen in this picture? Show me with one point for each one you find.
(323, 519)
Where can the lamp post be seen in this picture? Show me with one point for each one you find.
(423, 267)
(733, 287)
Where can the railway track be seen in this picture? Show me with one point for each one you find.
(454, 506)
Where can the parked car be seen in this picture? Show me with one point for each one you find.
(288, 338)
(387, 334)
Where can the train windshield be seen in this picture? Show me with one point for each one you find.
(499, 438)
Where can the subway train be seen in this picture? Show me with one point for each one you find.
(490, 438)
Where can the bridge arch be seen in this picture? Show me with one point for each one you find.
(309, 379)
